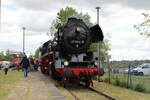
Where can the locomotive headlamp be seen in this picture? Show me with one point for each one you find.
(66, 63)
(96, 63)
(78, 29)
(50, 63)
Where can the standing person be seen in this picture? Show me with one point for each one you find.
(32, 64)
(37, 64)
(25, 65)
(6, 68)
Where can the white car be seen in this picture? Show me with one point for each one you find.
(143, 69)
(5, 63)
(126, 71)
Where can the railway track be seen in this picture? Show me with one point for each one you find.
(90, 89)
(100, 93)
(76, 98)
(93, 90)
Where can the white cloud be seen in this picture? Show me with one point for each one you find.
(129, 45)
(56, 4)
(36, 23)
(14, 42)
(116, 18)
(119, 17)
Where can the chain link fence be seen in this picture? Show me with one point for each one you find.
(127, 78)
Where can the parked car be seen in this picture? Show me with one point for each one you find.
(126, 71)
(5, 63)
(143, 69)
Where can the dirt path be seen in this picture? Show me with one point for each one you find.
(35, 87)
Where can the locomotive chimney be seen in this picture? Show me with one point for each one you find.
(98, 14)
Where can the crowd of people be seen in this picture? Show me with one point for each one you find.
(26, 65)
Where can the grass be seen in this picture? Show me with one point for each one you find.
(65, 93)
(135, 80)
(111, 90)
(143, 80)
(7, 82)
(120, 93)
(80, 92)
(86, 94)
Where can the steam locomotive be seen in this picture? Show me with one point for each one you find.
(67, 57)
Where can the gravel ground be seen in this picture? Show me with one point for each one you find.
(35, 87)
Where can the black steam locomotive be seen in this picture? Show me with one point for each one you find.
(67, 57)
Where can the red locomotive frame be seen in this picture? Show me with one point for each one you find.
(88, 73)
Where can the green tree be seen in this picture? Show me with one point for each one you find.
(144, 27)
(7, 56)
(64, 14)
(104, 48)
(2, 56)
(36, 54)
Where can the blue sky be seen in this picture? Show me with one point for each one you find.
(9, 7)
(121, 29)
(117, 19)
